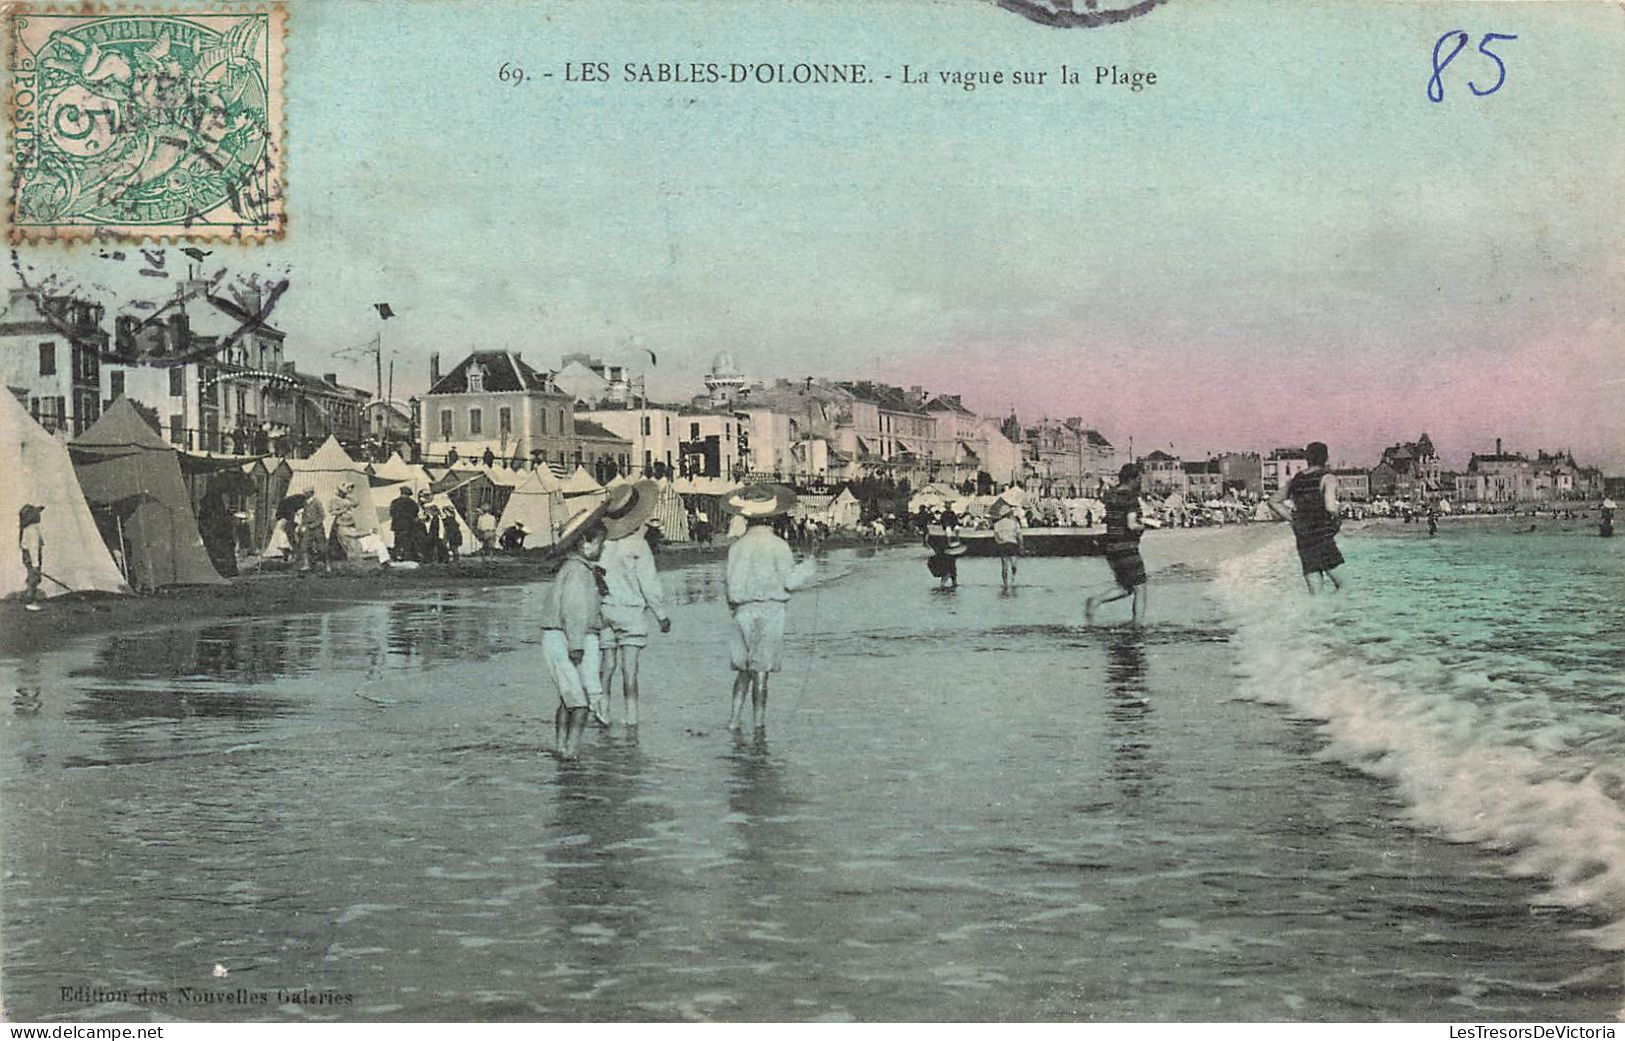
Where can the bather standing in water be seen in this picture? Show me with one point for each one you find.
(1312, 494)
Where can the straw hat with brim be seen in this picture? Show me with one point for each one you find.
(627, 506)
(577, 526)
(999, 508)
(760, 500)
(956, 548)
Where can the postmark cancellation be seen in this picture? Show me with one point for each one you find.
(136, 126)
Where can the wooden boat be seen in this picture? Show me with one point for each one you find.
(1041, 542)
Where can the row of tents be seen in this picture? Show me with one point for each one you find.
(124, 510)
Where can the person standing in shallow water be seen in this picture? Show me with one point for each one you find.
(31, 543)
(1124, 526)
(572, 615)
(761, 573)
(1312, 494)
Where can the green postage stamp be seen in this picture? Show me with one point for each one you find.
(132, 126)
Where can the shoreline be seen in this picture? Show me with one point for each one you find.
(260, 594)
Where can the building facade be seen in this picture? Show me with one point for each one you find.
(1280, 466)
(53, 347)
(493, 402)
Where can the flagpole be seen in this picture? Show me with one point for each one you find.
(378, 360)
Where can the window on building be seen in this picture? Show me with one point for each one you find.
(208, 386)
(647, 428)
(177, 429)
(693, 431)
(476, 379)
(88, 409)
(177, 382)
(544, 420)
(668, 426)
(475, 425)
(445, 424)
(242, 402)
(115, 383)
(505, 420)
(47, 359)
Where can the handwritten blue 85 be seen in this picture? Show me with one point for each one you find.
(1436, 84)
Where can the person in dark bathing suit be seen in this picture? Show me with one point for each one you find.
(1314, 516)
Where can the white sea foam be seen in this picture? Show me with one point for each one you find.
(1475, 740)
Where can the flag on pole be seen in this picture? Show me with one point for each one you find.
(195, 253)
(384, 311)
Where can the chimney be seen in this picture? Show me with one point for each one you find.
(1497, 446)
(434, 369)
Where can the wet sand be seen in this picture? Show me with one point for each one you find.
(966, 806)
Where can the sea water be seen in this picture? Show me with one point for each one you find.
(1400, 803)
(1479, 674)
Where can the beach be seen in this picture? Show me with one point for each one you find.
(966, 806)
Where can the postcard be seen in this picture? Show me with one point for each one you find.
(913, 510)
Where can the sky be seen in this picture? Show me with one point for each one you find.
(1282, 240)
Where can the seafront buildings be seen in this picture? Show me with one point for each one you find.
(213, 376)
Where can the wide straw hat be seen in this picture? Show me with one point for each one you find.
(627, 506)
(760, 500)
(955, 548)
(998, 509)
(577, 525)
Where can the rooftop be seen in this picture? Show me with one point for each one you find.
(504, 371)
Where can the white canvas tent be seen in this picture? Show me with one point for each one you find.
(394, 470)
(539, 508)
(76, 558)
(845, 511)
(581, 483)
(330, 467)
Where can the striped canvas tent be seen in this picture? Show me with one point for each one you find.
(672, 514)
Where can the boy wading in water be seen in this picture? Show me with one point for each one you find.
(1315, 519)
(572, 608)
(1124, 525)
(1006, 539)
(633, 593)
(761, 573)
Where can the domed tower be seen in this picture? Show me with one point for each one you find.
(725, 381)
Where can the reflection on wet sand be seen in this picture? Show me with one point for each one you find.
(1128, 714)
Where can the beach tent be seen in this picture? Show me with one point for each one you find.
(41, 472)
(540, 509)
(671, 514)
(581, 483)
(503, 482)
(132, 480)
(394, 470)
(330, 467)
(845, 511)
(470, 490)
